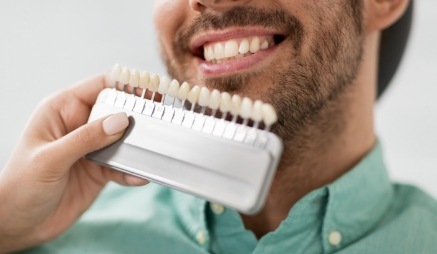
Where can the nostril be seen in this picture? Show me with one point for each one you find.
(197, 6)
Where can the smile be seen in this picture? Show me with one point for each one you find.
(234, 50)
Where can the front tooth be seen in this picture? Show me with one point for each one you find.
(246, 108)
(264, 45)
(244, 46)
(231, 48)
(254, 45)
(174, 88)
(269, 114)
(219, 51)
(144, 80)
(183, 91)
(225, 102)
(193, 95)
(204, 96)
(214, 101)
(235, 105)
(164, 84)
(115, 73)
(134, 79)
(257, 113)
(154, 83)
(124, 76)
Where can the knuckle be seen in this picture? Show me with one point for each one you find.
(83, 135)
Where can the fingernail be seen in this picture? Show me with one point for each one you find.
(115, 123)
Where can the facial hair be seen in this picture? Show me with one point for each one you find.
(316, 73)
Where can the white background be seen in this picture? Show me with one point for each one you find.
(48, 45)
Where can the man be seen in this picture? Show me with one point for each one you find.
(331, 192)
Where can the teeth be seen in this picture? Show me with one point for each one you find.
(124, 76)
(134, 79)
(246, 108)
(219, 51)
(265, 45)
(257, 113)
(164, 85)
(231, 48)
(235, 48)
(214, 100)
(238, 107)
(204, 97)
(115, 73)
(193, 95)
(144, 80)
(254, 45)
(173, 89)
(225, 102)
(235, 105)
(154, 83)
(244, 46)
(269, 114)
(183, 91)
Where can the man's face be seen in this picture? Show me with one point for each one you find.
(302, 53)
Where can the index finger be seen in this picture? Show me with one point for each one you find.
(87, 90)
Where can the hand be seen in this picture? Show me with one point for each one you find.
(47, 185)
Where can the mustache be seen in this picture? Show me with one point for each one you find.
(242, 16)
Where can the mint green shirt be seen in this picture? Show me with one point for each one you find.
(361, 212)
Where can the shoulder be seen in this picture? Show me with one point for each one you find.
(408, 226)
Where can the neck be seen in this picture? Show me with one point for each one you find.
(326, 149)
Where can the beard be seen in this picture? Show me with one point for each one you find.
(321, 62)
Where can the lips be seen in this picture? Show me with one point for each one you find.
(225, 52)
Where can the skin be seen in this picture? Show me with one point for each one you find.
(325, 133)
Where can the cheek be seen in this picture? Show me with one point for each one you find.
(168, 16)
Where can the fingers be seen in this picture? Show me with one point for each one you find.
(123, 178)
(89, 138)
(87, 90)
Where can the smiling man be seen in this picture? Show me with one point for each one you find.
(316, 62)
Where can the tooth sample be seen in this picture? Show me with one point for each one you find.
(154, 83)
(264, 45)
(204, 97)
(231, 48)
(124, 76)
(254, 45)
(219, 51)
(115, 73)
(269, 115)
(225, 103)
(193, 96)
(144, 80)
(244, 46)
(246, 109)
(214, 100)
(173, 89)
(134, 79)
(257, 112)
(235, 106)
(183, 91)
(164, 85)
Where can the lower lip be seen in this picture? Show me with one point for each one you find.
(236, 65)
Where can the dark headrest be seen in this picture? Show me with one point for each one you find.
(393, 43)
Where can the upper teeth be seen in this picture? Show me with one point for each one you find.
(236, 47)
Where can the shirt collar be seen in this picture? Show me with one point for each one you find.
(352, 205)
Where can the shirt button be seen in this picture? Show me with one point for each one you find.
(201, 237)
(334, 238)
(216, 208)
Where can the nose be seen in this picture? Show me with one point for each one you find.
(216, 5)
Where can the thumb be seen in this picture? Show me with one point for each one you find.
(90, 137)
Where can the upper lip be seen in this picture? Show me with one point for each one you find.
(197, 41)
